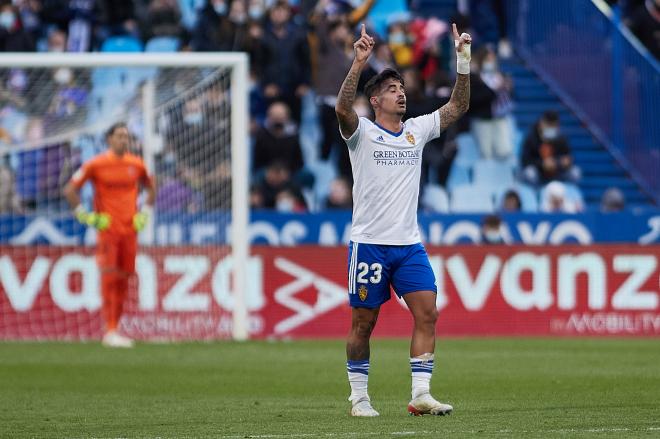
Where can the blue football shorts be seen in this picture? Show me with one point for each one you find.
(373, 268)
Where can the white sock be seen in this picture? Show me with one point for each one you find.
(358, 377)
(422, 370)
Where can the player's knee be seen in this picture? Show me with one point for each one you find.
(428, 316)
(364, 327)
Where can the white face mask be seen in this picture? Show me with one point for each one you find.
(285, 205)
(492, 237)
(63, 76)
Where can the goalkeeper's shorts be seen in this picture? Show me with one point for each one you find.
(114, 251)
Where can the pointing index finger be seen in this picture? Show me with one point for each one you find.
(363, 31)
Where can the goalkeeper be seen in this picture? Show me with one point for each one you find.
(117, 176)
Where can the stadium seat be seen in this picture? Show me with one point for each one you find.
(434, 199)
(162, 44)
(123, 43)
(468, 151)
(493, 174)
(458, 176)
(471, 199)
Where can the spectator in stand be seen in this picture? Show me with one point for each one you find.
(511, 202)
(57, 41)
(438, 154)
(68, 106)
(256, 10)
(13, 36)
(613, 200)
(213, 31)
(290, 200)
(644, 22)
(431, 51)
(117, 17)
(491, 106)
(491, 230)
(9, 200)
(340, 196)
(276, 179)
(546, 155)
(490, 24)
(287, 74)
(555, 199)
(278, 141)
(400, 41)
(174, 196)
(162, 19)
(333, 61)
(256, 197)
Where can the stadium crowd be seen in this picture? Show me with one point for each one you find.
(300, 51)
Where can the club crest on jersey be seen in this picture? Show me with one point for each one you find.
(410, 138)
(362, 292)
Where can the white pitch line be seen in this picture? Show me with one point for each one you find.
(412, 433)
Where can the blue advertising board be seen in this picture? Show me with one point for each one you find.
(333, 228)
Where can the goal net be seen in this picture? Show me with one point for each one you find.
(187, 115)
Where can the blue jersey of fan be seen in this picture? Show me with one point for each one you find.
(385, 246)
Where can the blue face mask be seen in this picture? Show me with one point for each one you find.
(7, 20)
(550, 133)
(193, 118)
(398, 38)
(220, 8)
(256, 12)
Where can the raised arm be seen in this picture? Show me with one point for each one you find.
(348, 118)
(459, 102)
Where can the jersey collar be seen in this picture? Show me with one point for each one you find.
(392, 133)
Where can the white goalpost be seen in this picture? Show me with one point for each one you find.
(188, 113)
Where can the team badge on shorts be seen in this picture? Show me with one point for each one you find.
(362, 292)
(410, 138)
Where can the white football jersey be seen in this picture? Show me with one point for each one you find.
(386, 172)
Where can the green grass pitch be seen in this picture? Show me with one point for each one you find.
(271, 390)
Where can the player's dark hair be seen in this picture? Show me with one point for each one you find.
(551, 117)
(372, 87)
(114, 127)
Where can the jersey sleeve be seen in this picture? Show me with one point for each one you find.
(354, 141)
(429, 125)
(84, 173)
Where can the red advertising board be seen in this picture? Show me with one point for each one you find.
(300, 292)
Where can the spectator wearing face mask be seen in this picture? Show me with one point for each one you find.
(491, 106)
(221, 26)
(13, 37)
(491, 232)
(277, 179)
(277, 140)
(546, 154)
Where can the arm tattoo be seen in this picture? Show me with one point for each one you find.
(458, 103)
(348, 119)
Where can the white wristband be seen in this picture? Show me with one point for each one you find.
(462, 66)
